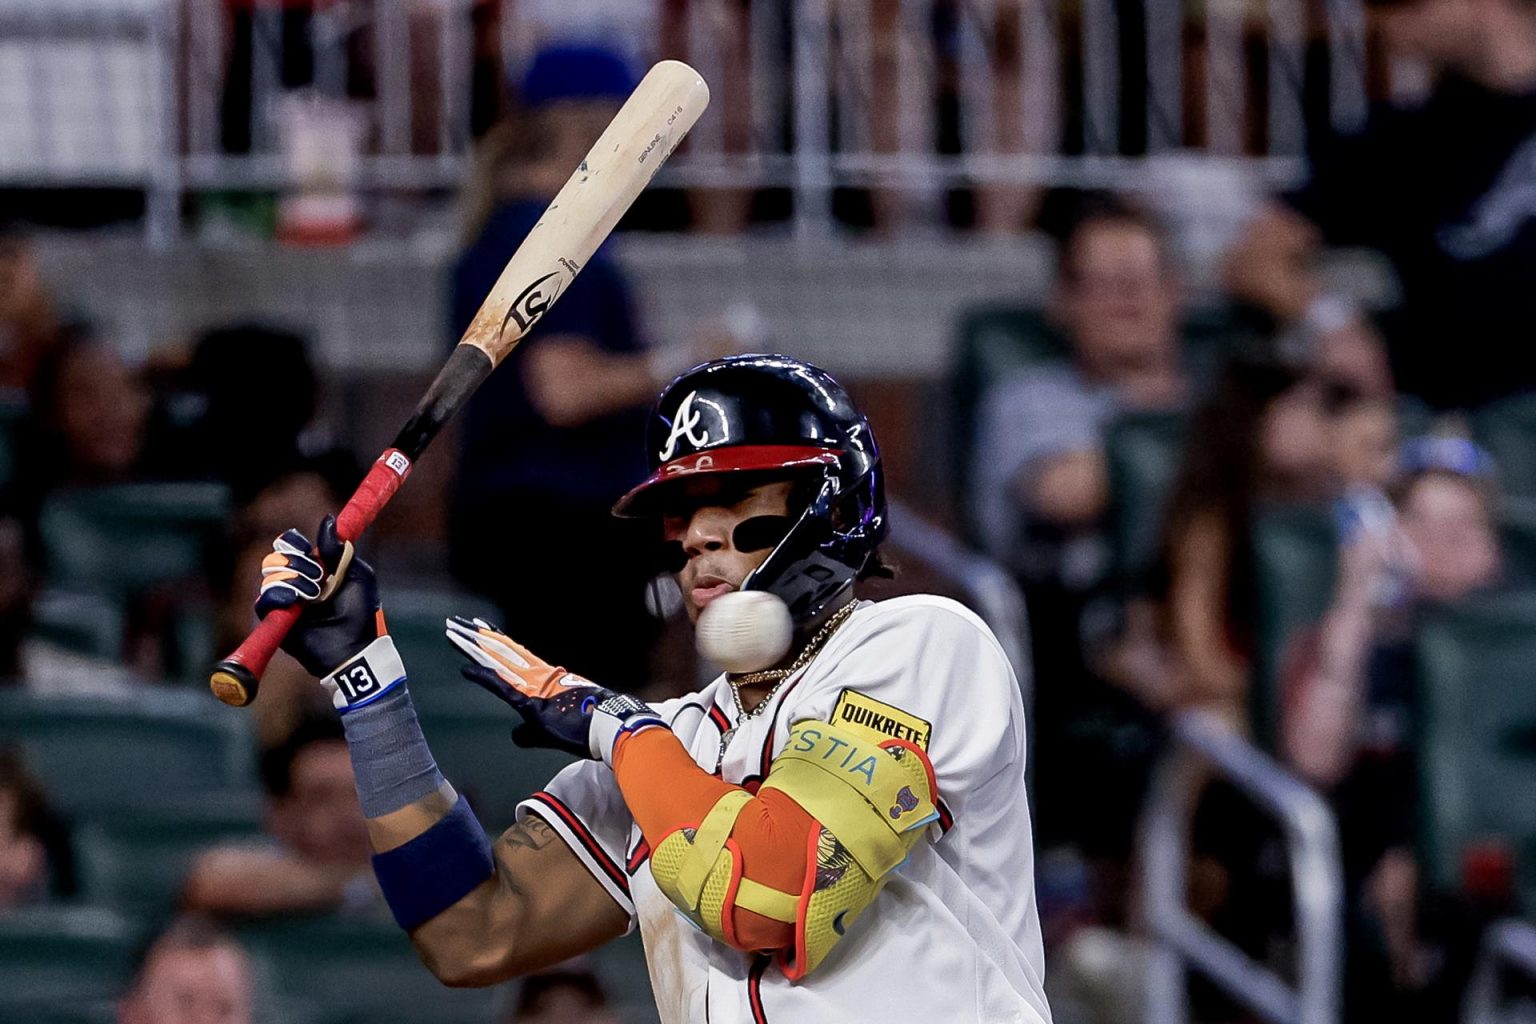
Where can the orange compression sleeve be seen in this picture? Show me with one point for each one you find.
(666, 791)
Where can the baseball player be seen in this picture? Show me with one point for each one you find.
(841, 837)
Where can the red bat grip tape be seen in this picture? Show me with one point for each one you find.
(234, 679)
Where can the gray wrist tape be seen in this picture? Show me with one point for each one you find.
(390, 760)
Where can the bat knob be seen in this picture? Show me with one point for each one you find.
(233, 683)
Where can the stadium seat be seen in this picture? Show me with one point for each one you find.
(1296, 553)
(416, 620)
(357, 972)
(96, 1011)
(994, 341)
(13, 412)
(97, 754)
(127, 539)
(476, 754)
(1478, 744)
(1507, 429)
(136, 860)
(1517, 534)
(1143, 450)
(1415, 417)
(88, 624)
(58, 957)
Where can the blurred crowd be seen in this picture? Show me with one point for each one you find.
(1135, 454)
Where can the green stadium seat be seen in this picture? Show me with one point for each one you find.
(357, 972)
(416, 622)
(13, 413)
(96, 1011)
(88, 624)
(137, 860)
(1209, 335)
(1143, 450)
(476, 754)
(96, 754)
(1478, 741)
(54, 956)
(1517, 534)
(1507, 428)
(121, 540)
(994, 341)
(1295, 549)
(1415, 418)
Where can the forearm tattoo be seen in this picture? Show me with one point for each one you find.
(532, 832)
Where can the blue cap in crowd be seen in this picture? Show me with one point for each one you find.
(576, 72)
(1445, 455)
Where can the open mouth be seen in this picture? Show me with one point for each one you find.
(707, 588)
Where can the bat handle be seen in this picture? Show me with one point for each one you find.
(236, 679)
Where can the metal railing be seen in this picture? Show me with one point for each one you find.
(1201, 745)
(1506, 945)
(910, 98)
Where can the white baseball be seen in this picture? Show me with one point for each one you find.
(744, 630)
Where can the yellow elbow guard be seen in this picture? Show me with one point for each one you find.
(870, 801)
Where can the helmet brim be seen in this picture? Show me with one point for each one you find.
(643, 499)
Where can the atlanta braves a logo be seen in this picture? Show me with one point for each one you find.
(685, 421)
(531, 305)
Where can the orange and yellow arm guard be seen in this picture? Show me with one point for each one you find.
(788, 869)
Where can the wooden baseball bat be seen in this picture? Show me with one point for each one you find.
(666, 103)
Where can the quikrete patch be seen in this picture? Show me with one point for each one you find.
(879, 720)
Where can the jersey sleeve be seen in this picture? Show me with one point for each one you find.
(928, 671)
(585, 808)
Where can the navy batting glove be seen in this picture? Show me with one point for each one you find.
(332, 632)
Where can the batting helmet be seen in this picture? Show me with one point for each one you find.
(756, 413)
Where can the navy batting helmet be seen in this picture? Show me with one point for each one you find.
(766, 413)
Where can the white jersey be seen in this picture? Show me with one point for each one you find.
(955, 935)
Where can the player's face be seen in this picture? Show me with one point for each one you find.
(716, 557)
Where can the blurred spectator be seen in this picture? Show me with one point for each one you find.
(317, 857)
(549, 441)
(192, 973)
(1041, 471)
(1459, 228)
(40, 665)
(16, 593)
(563, 996)
(29, 326)
(1262, 435)
(1364, 441)
(1040, 457)
(35, 857)
(288, 693)
(1349, 710)
(206, 428)
(87, 420)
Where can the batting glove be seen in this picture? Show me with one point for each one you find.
(340, 636)
(559, 709)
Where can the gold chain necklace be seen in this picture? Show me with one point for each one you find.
(778, 675)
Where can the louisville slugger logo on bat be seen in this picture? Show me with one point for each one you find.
(532, 303)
